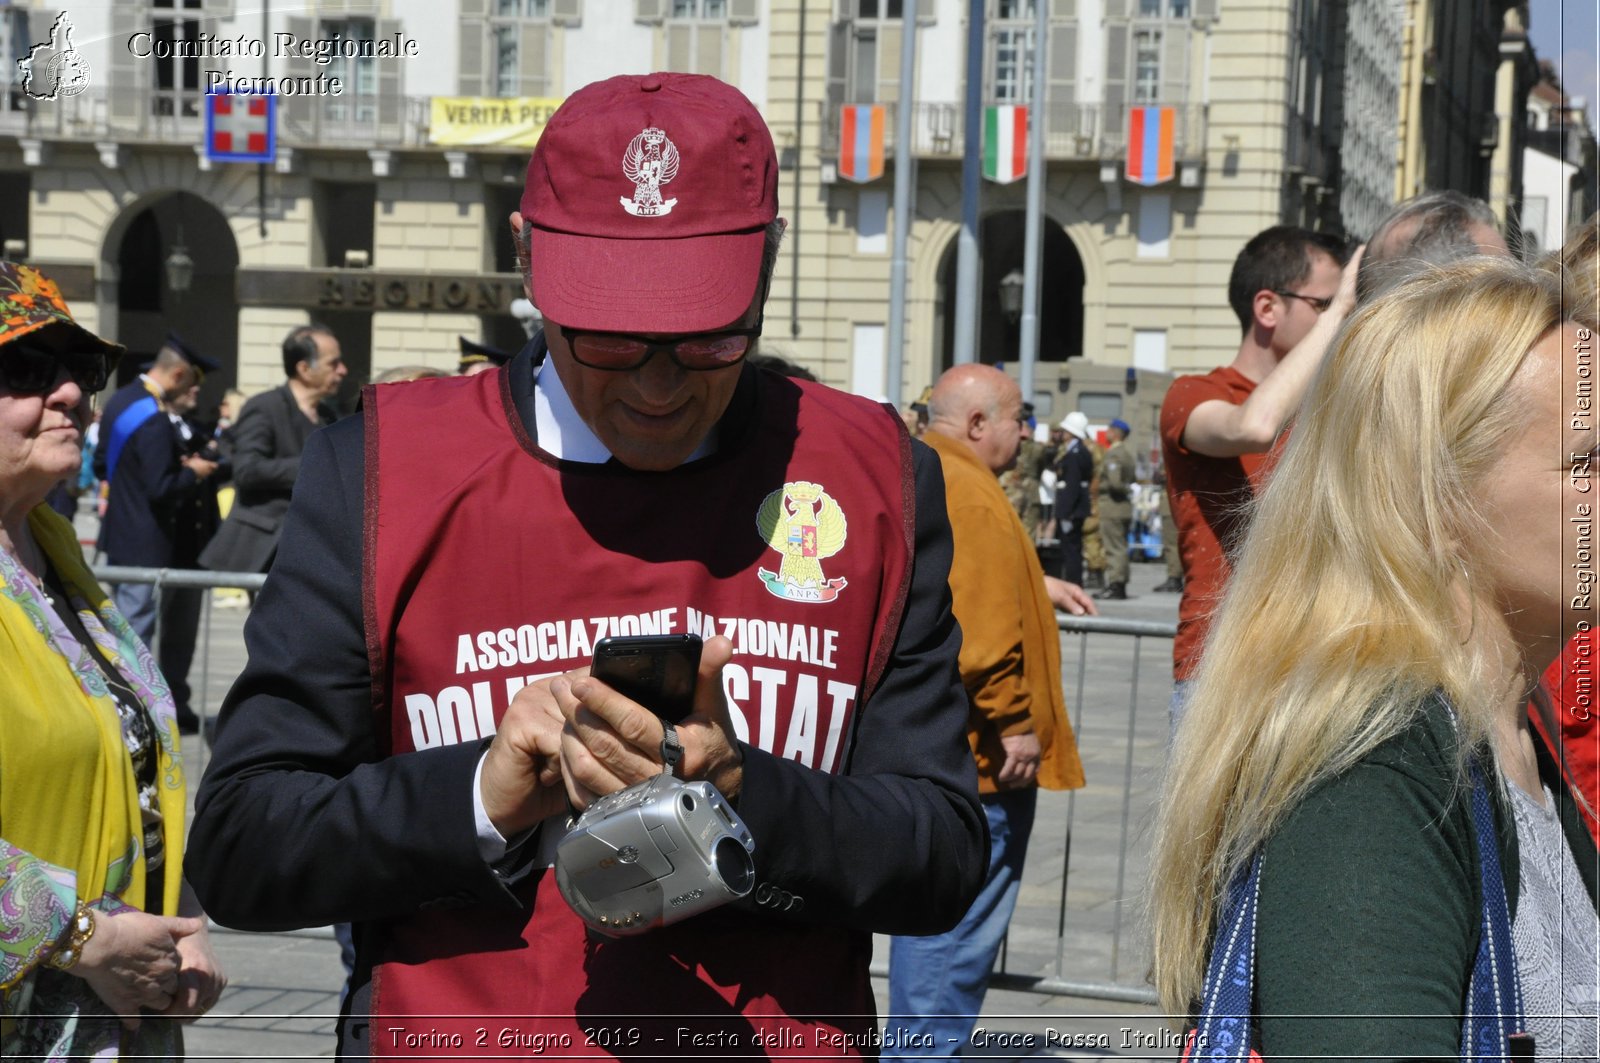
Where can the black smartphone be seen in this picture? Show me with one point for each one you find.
(657, 671)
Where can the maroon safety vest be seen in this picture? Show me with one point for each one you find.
(488, 564)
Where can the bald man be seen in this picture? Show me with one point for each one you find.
(1016, 719)
(1424, 232)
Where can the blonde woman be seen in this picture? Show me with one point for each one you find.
(1404, 583)
(1571, 726)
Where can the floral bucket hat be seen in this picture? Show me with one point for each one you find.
(30, 301)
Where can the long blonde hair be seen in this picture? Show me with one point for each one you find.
(1344, 609)
(1577, 263)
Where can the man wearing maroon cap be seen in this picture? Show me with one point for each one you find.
(416, 721)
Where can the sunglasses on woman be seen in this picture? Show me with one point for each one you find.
(29, 370)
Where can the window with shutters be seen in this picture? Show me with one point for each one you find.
(697, 36)
(517, 30)
(1011, 63)
(871, 31)
(1147, 66)
(863, 58)
(358, 102)
(1011, 52)
(1147, 56)
(177, 80)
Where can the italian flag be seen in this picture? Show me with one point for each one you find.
(1005, 143)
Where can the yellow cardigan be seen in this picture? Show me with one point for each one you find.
(68, 798)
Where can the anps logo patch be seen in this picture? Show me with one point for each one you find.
(804, 524)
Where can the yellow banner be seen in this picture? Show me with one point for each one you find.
(514, 121)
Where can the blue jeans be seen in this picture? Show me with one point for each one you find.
(137, 604)
(936, 983)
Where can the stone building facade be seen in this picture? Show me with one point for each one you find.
(372, 220)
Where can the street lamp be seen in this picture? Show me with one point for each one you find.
(180, 267)
(1011, 295)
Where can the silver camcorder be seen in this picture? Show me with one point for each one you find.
(653, 854)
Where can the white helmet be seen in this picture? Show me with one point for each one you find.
(1075, 423)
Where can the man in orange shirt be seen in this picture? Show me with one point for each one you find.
(1291, 290)
(1016, 719)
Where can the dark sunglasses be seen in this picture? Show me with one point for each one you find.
(29, 370)
(1318, 303)
(619, 352)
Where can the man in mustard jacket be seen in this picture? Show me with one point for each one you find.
(1016, 722)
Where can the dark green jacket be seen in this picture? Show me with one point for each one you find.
(1370, 903)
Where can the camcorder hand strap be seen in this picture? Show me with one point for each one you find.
(671, 748)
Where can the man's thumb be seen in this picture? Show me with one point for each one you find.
(182, 926)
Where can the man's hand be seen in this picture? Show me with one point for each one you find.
(520, 783)
(1022, 760)
(1344, 300)
(199, 466)
(200, 977)
(611, 742)
(1069, 597)
(132, 962)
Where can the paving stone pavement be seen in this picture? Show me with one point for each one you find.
(1079, 927)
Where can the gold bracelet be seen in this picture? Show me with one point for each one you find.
(79, 931)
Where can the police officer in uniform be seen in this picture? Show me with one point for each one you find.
(1116, 510)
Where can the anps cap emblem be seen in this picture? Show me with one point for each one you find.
(650, 162)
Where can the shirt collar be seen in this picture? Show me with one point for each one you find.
(154, 389)
(560, 431)
(563, 434)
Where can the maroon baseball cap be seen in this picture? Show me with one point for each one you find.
(649, 197)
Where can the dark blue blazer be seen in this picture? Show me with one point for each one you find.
(112, 412)
(148, 487)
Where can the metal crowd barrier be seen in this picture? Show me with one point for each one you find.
(1154, 722)
(1080, 905)
(204, 579)
(1070, 934)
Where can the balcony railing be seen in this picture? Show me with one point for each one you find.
(1072, 131)
(102, 113)
(1086, 131)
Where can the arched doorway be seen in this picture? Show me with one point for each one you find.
(206, 315)
(1000, 243)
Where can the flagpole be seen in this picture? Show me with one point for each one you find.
(903, 163)
(967, 252)
(1033, 235)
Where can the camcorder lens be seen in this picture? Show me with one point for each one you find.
(734, 865)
